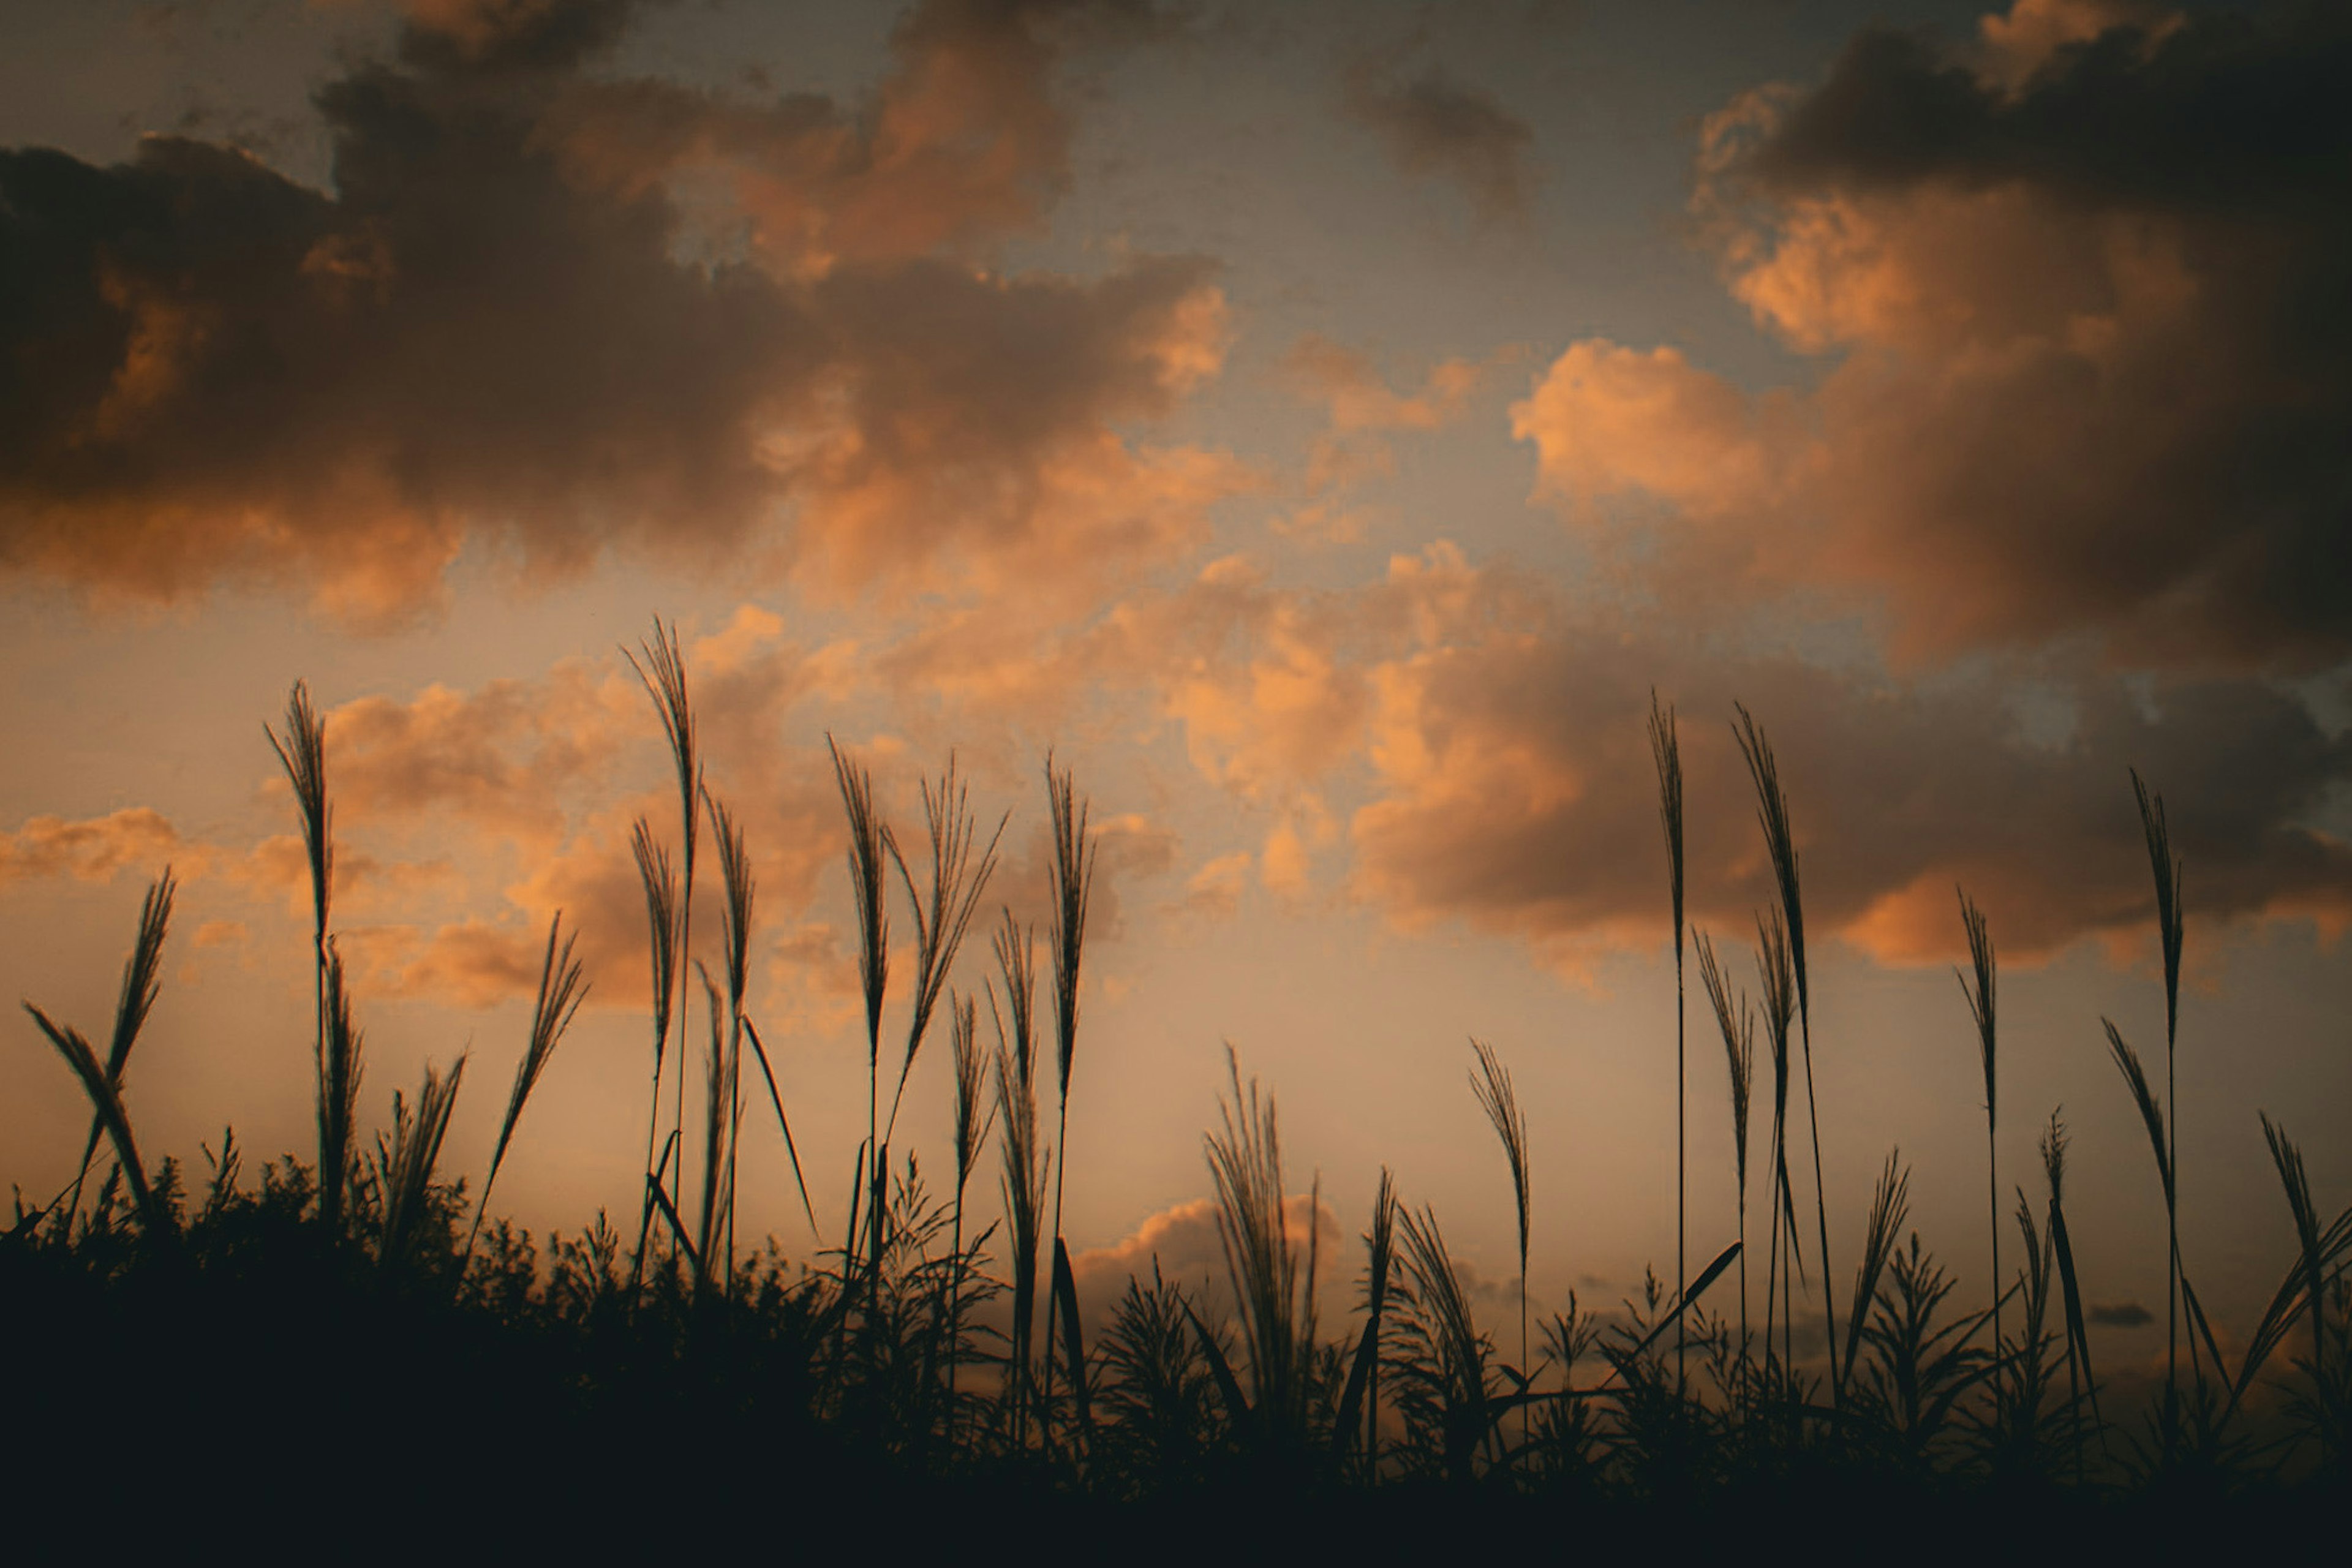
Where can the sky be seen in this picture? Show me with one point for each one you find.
(1320, 427)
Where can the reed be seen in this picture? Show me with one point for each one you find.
(2296, 1182)
(405, 1163)
(662, 672)
(659, 881)
(1447, 1386)
(970, 1136)
(1890, 1209)
(562, 988)
(340, 1070)
(1773, 964)
(1738, 1025)
(302, 753)
(735, 932)
(1363, 1386)
(1772, 815)
(1980, 1002)
(1665, 751)
(870, 847)
(142, 981)
(2080, 1381)
(1073, 889)
(2167, 867)
(1490, 1084)
(1244, 1159)
(1023, 1188)
(954, 891)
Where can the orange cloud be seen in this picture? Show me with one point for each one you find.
(93, 848)
(2082, 381)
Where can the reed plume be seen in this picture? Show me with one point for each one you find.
(2079, 1378)
(1666, 750)
(1772, 815)
(106, 1104)
(955, 888)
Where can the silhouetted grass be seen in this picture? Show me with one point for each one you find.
(375, 1307)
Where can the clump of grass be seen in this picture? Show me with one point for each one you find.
(1446, 1389)
(1245, 1156)
(405, 1163)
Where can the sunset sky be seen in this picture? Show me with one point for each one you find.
(1323, 425)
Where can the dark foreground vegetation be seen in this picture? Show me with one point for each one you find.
(339, 1350)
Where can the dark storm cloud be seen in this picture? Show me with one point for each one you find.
(1433, 124)
(487, 333)
(2096, 309)
(1518, 795)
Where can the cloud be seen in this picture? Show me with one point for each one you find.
(520, 321)
(91, 849)
(2121, 1314)
(1182, 1240)
(2079, 294)
(1516, 793)
(1431, 123)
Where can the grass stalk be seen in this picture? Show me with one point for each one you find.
(1980, 1002)
(561, 989)
(2167, 867)
(1772, 813)
(1074, 878)
(663, 674)
(1490, 1083)
(1666, 750)
(1737, 1025)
